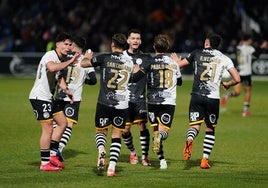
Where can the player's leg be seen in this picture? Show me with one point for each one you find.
(196, 118)
(153, 114)
(208, 145)
(61, 121)
(45, 139)
(100, 141)
(101, 123)
(235, 93)
(127, 135)
(115, 149)
(64, 139)
(128, 140)
(118, 126)
(145, 143)
(191, 134)
(66, 136)
(211, 118)
(156, 138)
(159, 137)
(246, 103)
(163, 135)
(71, 112)
(236, 90)
(141, 120)
(162, 160)
(164, 118)
(45, 118)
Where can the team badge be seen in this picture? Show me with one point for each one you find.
(212, 118)
(46, 115)
(165, 118)
(139, 61)
(69, 111)
(118, 121)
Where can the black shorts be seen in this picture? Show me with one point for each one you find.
(161, 114)
(246, 80)
(44, 110)
(71, 111)
(203, 109)
(137, 112)
(109, 116)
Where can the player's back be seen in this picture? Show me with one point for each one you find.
(162, 80)
(209, 66)
(116, 69)
(244, 59)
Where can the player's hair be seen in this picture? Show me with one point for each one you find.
(119, 40)
(161, 43)
(246, 36)
(62, 37)
(133, 31)
(214, 39)
(80, 42)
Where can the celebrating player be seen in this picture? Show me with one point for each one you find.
(41, 98)
(112, 105)
(209, 65)
(75, 77)
(137, 106)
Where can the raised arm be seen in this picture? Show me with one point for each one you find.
(62, 84)
(86, 61)
(181, 62)
(54, 67)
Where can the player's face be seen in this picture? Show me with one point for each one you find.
(64, 47)
(76, 49)
(134, 40)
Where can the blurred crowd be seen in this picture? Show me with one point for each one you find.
(31, 25)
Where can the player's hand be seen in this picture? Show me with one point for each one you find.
(264, 45)
(225, 86)
(88, 54)
(69, 94)
(136, 68)
(86, 61)
(74, 58)
(72, 98)
(175, 57)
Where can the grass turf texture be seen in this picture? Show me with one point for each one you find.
(239, 158)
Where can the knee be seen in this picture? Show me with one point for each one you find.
(210, 128)
(126, 131)
(236, 93)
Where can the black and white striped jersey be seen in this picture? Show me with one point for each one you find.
(208, 65)
(138, 89)
(162, 74)
(45, 81)
(116, 69)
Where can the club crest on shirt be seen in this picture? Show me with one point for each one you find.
(139, 61)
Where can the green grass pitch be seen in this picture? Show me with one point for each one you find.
(239, 158)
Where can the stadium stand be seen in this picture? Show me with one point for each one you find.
(30, 25)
